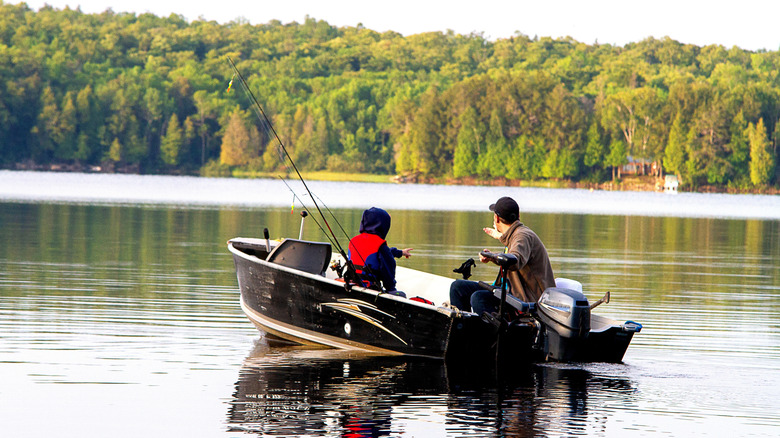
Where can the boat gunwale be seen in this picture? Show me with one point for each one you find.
(252, 258)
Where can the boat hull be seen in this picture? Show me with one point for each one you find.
(312, 309)
(608, 342)
(287, 293)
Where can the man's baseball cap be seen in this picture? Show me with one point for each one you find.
(506, 208)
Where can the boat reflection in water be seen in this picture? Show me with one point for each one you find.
(295, 391)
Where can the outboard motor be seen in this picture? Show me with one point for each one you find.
(565, 314)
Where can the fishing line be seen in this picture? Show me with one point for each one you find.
(366, 268)
(314, 218)
(264, 120)
(263, 117)
(334, 218)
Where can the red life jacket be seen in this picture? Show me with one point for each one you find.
(362, 246)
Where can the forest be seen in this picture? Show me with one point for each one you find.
(154, 95)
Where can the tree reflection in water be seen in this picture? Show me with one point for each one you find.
(298, 391)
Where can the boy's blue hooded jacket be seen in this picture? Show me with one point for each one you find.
(370, 249)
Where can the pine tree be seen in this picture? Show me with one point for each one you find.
(493, 161)
(739, 148)
(115, 152)
(46, 128)
(65, 137)
(594, 148)
(762, 159)
(172, 142)
(235, 144)
(465, 158)
(617, 156)
(674, 154)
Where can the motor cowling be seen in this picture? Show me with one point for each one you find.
(565, 315)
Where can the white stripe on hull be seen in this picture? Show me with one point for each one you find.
(303, 336)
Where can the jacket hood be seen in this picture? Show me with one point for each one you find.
(375, 221)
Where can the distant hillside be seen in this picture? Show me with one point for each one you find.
(147, 93)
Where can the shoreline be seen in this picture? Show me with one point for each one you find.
(626, 184)
(197, 192)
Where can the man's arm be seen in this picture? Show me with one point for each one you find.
(520, 247)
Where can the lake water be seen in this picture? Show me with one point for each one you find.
(119, 314)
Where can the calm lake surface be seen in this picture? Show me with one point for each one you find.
(119, 314)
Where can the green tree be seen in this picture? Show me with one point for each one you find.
(492, 162)
(762, 159)
(617, 156)
(237, 148)
(633, 113)
(47, 127)
(696, 159)
(416, 154)
(319, 142)
(674, 154)
(208, 108)
(172, 142)
(65, 138)
(115, 153)
(527, 158)
(739, 148)
(594, 148)
(559, 163)
(467, 149)
(89, 122)
(563, 127)
(153, 110)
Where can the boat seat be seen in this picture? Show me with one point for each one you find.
(311, 257)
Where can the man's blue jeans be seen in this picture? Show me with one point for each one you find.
(470, 296)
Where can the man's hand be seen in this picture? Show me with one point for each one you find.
(407, 252)
(492, 232)
(482, 258)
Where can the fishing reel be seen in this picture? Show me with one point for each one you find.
(338, 268)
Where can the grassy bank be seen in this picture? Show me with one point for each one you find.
(318, 176)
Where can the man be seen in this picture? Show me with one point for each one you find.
(528, 279)
(371, 254)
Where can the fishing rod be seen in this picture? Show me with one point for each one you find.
(295, 196)
(326, 208)
(334, 218)
(264, 118)
(366, 268)
(314, 218)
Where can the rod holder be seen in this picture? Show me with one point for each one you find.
(304, 213)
